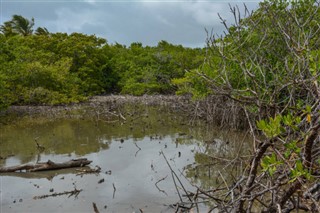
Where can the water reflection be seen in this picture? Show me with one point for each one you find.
(128, 147)
(220, 159)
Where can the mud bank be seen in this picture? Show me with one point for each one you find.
(213, 109)
(107, 101)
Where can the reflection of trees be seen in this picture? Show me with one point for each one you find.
(82, 135)
(218, 156)
(58, 137)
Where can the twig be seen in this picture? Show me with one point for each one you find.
(160, 190)
(74, 192)
(114, 190)
(138, 148)
(81, 172)
(121, 116)
(95, 208)
(175, 175)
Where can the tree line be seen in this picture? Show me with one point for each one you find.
(39, 67)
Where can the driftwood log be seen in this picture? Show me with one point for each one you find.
(49, 165)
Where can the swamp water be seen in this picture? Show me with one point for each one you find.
(134, 175)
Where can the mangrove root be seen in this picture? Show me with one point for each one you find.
(49, 165)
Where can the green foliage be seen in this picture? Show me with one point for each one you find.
(42, 31)
(299, 171)
(271, 128)
(261, 59)
(39, 67)
(36, 74)
(270, 163)
(292, 147)
(149, 70)
(4, 91)
(18, 25)
(192, 84)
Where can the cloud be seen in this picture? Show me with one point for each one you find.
(178, 22)
(90, 1)
(71, 20)
(205, 13)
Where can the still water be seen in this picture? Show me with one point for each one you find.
(134, 175)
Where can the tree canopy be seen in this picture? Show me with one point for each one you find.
(39, 67)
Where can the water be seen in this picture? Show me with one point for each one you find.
(134, 175)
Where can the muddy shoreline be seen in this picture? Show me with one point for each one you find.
(95, 102)
(214, 110)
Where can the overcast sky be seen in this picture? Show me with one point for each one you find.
(178, 22)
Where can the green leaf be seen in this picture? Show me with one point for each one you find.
(308, 109)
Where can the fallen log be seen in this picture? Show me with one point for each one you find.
(49, 165)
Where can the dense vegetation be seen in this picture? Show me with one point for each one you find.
(38, 67)
(268, 63)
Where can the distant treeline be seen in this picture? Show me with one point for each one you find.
(39, 67)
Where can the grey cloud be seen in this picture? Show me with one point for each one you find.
(127, 22)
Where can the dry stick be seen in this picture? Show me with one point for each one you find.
(176, 209)
(175, 184)
(95, 208)
(206, 193)
(225, 182)
(195, 198)
(160, 190)
(138, 149)
(74, 192)
(121, 116)
(252, 131)
(112, 113)
(307, 163)
(81, 172)
(252, 174)
(233, 162)
(175, 174)
(114, 190)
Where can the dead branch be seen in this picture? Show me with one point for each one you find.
(175, 176)
(138, 149)
(114, 190)
(156, 184)
(74, 192)
(49, 165)
(96, 170)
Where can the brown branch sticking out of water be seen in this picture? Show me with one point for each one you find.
(49, 165)
(74, 193)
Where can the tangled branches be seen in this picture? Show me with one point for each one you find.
(268, 63)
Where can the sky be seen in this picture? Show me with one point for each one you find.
(127, 21)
